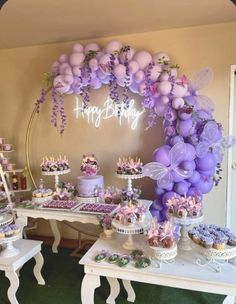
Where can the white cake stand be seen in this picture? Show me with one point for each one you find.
(129, 177)
(6, 219)
(56, 175)
(9, 250)
(185, 223)
(133, 229)
(166, 255)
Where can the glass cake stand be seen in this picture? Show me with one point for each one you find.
(9, 250)
(129, 178)
(185, 223)
(56, 174)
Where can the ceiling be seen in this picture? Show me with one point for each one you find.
(27, 22)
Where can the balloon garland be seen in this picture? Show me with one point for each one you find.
(189, 161)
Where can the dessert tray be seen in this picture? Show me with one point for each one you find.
(90, 199)
(6, 219)
(214, 258)
(66, 205)
(96, 208)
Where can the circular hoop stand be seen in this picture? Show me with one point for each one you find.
(129, 179)
(185, 242)
(9, 250)
(56, 175)
(133, 229)
(163, 255)
(214, 258)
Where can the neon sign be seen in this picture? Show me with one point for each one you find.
(95, 115)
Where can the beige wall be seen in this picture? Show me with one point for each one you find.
(21, 75)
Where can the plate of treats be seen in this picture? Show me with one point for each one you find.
(96, 208)
(214, 242)
(66, 205)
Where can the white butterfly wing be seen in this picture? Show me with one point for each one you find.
(155, 170)
(201, 79)
(204, 103)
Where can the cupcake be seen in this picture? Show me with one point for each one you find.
(167, 242)
(2, 233)
(232, 239)
(15, 228)
(196, 237)
(219, 244)
(182, 212)
(153, 241)
(8, 232)
(207, 241)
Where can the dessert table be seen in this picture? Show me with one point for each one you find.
(184, 273)
(53, 216)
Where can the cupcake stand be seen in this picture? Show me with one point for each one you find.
(185, 223)
(56, 174)
(133, 229)
(129, 178)
(166, 255)
(8, 250)
(214, 258)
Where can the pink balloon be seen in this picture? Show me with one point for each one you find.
(164, 99)
(174, 72)
(160, 108)
(134, 87)
(142, 88)
(179, 90)
(77, 48)
(128, 54)
(113, 45)
(178, 103)
(76, 59)
(139, 76)
(161, 155)
(143, 59)
(160, 56)
(164, 87)
(164, 76)
(155, 72)
(68, 71)
(91, 47)
(76, 71)
(60, 85)
(120, 71)
(133, 67)
(63, 67)
(93, 64)
(68, 79)
(99, 55)
(55, 68)
(63, 58)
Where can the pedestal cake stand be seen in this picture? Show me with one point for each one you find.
(56, 175)
(129, 178)
(185, 223)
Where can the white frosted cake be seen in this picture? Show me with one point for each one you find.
(88, 185)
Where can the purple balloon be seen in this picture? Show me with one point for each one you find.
(181, 188)
(167, 196)
(206, 163)
(185, 113)
(188, 165)
(176, 139)
(204, 115)
(191, 100)
(157, 205)
(190, 152)
(187, 127)
(205, 184)
(159, 191)
(161, 155)
(192, 191)
(195, 177)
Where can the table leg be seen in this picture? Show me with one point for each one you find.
(37, 268)
(130, 291)
(229, 300)
(114, 290)
(89, 284)
(14, 284)
(22, 221)
(56, 234)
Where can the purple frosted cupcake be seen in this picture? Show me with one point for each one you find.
(207, 241)
(232, 239)
(219, 244)
(197, 237)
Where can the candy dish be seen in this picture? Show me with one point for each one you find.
(113, 259)
(142, 262)
(100, 257)
(123, 261)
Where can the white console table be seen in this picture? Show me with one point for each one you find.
(27, 249)
(53, 216)
(184, 273)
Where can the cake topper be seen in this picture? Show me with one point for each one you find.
(89, 166)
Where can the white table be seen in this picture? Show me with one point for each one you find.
(183, 274)
(53, 216)
(28, 249)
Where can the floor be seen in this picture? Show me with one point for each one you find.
(63, 278)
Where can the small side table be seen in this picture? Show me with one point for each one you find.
(28, 249)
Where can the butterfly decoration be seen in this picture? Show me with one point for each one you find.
(165, 175)
(200, 80)
(210, 141)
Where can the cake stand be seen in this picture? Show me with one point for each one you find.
(132, 229)
(56, 175)
(6, 219)
(185, 222)
(215, 258)
(129, 177)
(166, 255)
(9, 250)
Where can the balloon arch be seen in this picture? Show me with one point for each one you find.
(189, 161)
